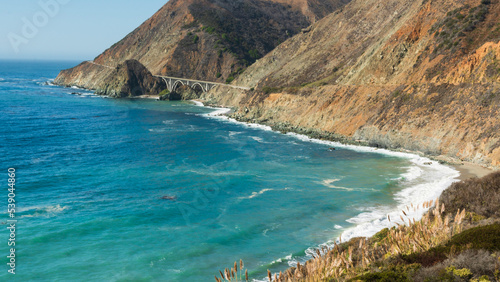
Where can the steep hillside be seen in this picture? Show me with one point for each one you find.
(420, 75)
(210, 40)
(130, 79)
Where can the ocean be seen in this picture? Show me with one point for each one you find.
(145, 190)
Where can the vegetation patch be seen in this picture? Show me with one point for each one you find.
(478, 196)
(435, 248)
(453, 29)
(269, 90)
(400, 273)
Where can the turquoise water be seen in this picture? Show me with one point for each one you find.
(141, 190)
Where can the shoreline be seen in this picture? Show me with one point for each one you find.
(467, 170)
(464, 170)
(371, 222)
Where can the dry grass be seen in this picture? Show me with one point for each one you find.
(479, 196)
(348, 260)
(234, 273)
(406, 247)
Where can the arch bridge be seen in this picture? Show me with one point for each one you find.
(174, 82)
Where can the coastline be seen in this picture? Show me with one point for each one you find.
(467, 170)
(368, 223)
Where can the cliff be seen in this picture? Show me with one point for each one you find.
(212, 40)
(130, 79)
(418, 75)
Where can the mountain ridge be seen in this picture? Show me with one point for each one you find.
(212, 40)
(415, 75)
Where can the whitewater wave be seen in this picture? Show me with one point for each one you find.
(329, 183)
(233, 133)
(49, 82)
(42, 159)
(256, 194)
(413, 172)
(41, 211)
(219, 114)
(280, 260)
(78, 88)
(423, 181)
(158, 130)
(198, 103)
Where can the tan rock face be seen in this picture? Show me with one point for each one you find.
(419, 75)
(130, 79)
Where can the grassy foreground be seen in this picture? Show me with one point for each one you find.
(457, 240)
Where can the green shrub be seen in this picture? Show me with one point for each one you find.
(393, 273)
(482, 237)
(254, 54)
(381, 235)
(269, 90)
(209, 29)
(462, 273)
(164, 92)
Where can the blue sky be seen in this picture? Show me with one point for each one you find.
(68, 29)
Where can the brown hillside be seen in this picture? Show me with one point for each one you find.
(420, 75)
(204, 39)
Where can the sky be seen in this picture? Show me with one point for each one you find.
(68, 29)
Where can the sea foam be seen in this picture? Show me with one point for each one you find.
(423, 181)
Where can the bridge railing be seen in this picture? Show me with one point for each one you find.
(173, 81)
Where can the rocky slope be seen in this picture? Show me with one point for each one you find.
(130, 79)
(211, 40)
(420, 75)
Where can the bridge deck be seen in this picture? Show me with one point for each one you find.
(204, 82)
(185, 79)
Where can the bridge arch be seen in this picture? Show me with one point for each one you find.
(173, 82)
(176, 84)
(199, 85)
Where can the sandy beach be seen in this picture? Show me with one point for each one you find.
(470, 170)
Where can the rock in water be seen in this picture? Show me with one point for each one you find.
(130, 79)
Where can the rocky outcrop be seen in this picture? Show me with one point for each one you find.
(130, 79)
(416, 75)
(183, 92)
